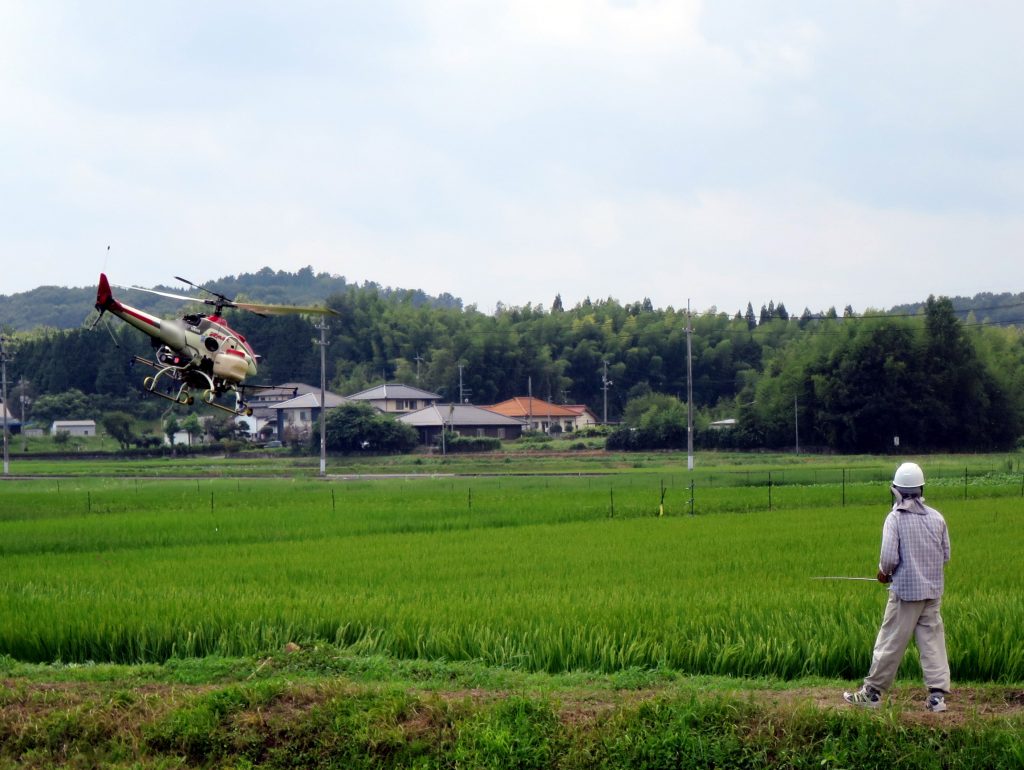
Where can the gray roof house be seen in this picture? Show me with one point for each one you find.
(262, 423)
(464, 419)
(394, 397)
(297, 416)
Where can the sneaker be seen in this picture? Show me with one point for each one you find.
(866, 696)
(936, 702)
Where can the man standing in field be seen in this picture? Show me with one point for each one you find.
(915, 549)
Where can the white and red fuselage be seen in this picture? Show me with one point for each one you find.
(201, 343)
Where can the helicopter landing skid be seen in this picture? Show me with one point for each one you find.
(184, 395)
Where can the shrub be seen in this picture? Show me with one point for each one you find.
(456, 443)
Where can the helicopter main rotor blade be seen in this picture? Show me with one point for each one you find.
(256, 307)
(167, 294)
(223, 298)
(222, 302)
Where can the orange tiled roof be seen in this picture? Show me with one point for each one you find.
(524, 406)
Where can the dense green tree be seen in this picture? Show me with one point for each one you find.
(66, 405)
(192, 427)
(355, 427)
(171, 427)
(750, 317)
(120, 427)
(851, 384)
(651, 421)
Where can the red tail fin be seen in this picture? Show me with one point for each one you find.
(104, 298)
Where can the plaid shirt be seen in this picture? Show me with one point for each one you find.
(915, 548)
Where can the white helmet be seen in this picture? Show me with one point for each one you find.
(908, 476)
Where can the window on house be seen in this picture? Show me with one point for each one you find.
(479, 431)
(501, 433)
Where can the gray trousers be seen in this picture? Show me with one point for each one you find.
(922, 619)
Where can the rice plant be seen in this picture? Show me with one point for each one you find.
(553, 574)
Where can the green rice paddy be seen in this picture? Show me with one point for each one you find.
(554, 574)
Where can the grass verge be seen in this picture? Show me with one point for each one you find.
(326, 707)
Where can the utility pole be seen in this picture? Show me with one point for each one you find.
(3, 394)
(463, 392)
(689, 390)
(24, 401)
(605, 383)
(529, 399)
(796, 424)
(322, 326)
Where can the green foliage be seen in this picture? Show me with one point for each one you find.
(850, 383)
(171, 427)
(120, 427)
(358, 427)
(517, 732)
(338, 721)
(192, 427)
(456, 443)
(69, 405)
(653, 421)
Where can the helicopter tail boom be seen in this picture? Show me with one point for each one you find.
(168, 333)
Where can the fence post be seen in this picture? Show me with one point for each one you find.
(769, 490)
(844, 487)
(965, 483)
(691, 495)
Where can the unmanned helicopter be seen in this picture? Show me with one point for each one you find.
(197, 352)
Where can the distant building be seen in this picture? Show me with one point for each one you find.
(539, 415)
(464, 419)
(297, 416)
(262, 424)
(396, 397)
(13, 425)
(74, 427)
(723, 424)
(584, 417)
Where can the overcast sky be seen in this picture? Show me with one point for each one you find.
(816, 153)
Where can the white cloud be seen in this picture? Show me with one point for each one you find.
(722, 151)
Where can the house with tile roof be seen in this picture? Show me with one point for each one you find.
(538, 415)
(396, 397)
(464, 419)
(297, 416)
(584, 416)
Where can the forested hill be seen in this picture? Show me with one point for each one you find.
(1004, 309)
(851, 382)
(63, 308)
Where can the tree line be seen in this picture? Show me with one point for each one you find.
(838, 381)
